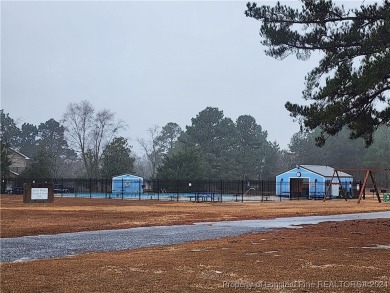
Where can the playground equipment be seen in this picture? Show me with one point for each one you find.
(371, 175)
(368, 174)
(246, 192)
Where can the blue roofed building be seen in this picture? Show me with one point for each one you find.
(127, 184)
(312, 181)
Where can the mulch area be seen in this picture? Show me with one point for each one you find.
(351, 256)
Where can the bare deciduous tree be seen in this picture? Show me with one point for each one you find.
(89, 133)
(152, 148)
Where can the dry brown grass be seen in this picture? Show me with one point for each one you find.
(327, 257)
(84, 214)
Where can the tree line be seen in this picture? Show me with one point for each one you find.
(86, 143)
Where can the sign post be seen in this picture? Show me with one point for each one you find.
(38, 193)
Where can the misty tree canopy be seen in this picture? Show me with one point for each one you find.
(117, 158)
(350, 86)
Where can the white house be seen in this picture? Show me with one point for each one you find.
(19, 162)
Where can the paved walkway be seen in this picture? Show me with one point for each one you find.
(66, 244)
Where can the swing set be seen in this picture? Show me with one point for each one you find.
(361, 189)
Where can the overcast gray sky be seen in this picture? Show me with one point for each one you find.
(149, 62)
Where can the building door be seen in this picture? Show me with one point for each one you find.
(299, 187)
(335, 189)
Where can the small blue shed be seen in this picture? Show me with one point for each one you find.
(127, 184)
(312, 181)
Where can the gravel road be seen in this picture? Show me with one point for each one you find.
(67, 244)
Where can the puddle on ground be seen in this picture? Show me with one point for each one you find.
(378, 246)
(296, 222)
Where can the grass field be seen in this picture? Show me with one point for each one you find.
(351, 256)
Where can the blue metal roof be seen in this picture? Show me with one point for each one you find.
(325, 171)
(126, 176)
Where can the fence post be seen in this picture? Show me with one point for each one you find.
(107, 189)
(299, 188)
(158, 189)
(90, 187)
(122, 188)
(242, 190)
(238, 189)
(269, 186)
(177, 190)
(262, 190)
(139, 189)
(221, 186)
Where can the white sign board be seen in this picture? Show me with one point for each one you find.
(39, 193)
